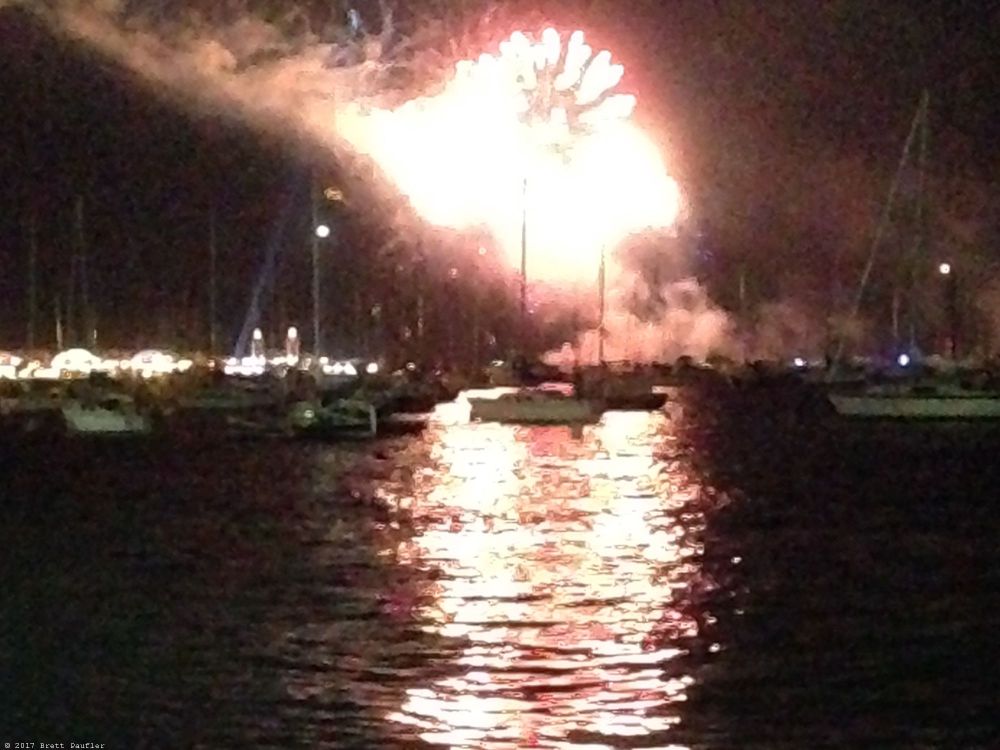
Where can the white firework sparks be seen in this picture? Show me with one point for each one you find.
(539, 111)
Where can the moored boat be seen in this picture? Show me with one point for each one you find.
(554, 404)
(333, 418)
(917, 403)
(108, 414)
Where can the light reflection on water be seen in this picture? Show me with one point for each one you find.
(562, 560)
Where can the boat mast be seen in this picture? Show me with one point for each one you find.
(88, 318)
(59, 325)
(601, 304)
(524, 260)
(885, 217)
(32, 279)
(317, 340)
(212, 299)
(920, 245)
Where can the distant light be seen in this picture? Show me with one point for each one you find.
(349, 369)
(323, 231)
(293, 332)
(799, 362)
(75, 360)
(482, 251)
(453, 273)
(324, 360)
(944, 269)
(333, 194)
(372, 368)
(411, 366)
(903, 360)
(258, 335)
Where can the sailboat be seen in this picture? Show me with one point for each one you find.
(911, 394)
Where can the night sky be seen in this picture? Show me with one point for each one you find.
(786, 120)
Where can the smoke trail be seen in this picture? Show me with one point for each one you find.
(287, 81)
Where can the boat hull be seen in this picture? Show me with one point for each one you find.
(636, 402)
(917, 407)
(339, 420)
(531, 411)
(80, 420)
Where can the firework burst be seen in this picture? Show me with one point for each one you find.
(541, 112)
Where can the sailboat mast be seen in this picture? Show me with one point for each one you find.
(70, 325)
(87, 313)
(212, 301)
(32, 279)
(317, 334)
(886, 215)
(601, 305)
(921, 247)
(59, 324)
(524, 257)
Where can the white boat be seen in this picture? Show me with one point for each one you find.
(109, 414)
(542, 405)
(918, 403)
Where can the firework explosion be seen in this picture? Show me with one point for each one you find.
(536, 129)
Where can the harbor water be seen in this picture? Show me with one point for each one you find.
(730, 572)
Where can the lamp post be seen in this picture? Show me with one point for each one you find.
(947, 272)
(320, 232)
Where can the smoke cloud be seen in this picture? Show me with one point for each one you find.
(248, 68)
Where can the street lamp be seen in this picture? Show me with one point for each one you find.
(951, 302)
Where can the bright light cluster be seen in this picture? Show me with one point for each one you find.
(75, 363)
(537, 128)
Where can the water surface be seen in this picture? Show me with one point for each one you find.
(732, 572)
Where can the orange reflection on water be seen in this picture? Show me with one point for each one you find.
(562, 563)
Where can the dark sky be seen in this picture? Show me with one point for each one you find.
(786, 121)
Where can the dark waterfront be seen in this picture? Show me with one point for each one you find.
(737, 574)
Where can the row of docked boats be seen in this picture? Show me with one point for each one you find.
(104, 407)
(909, 391)
(296, 405)
(292, 406)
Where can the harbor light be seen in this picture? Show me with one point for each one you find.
(944, 269)
(903, 360)
(323, 231)
(292, 345)
(257, 346)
